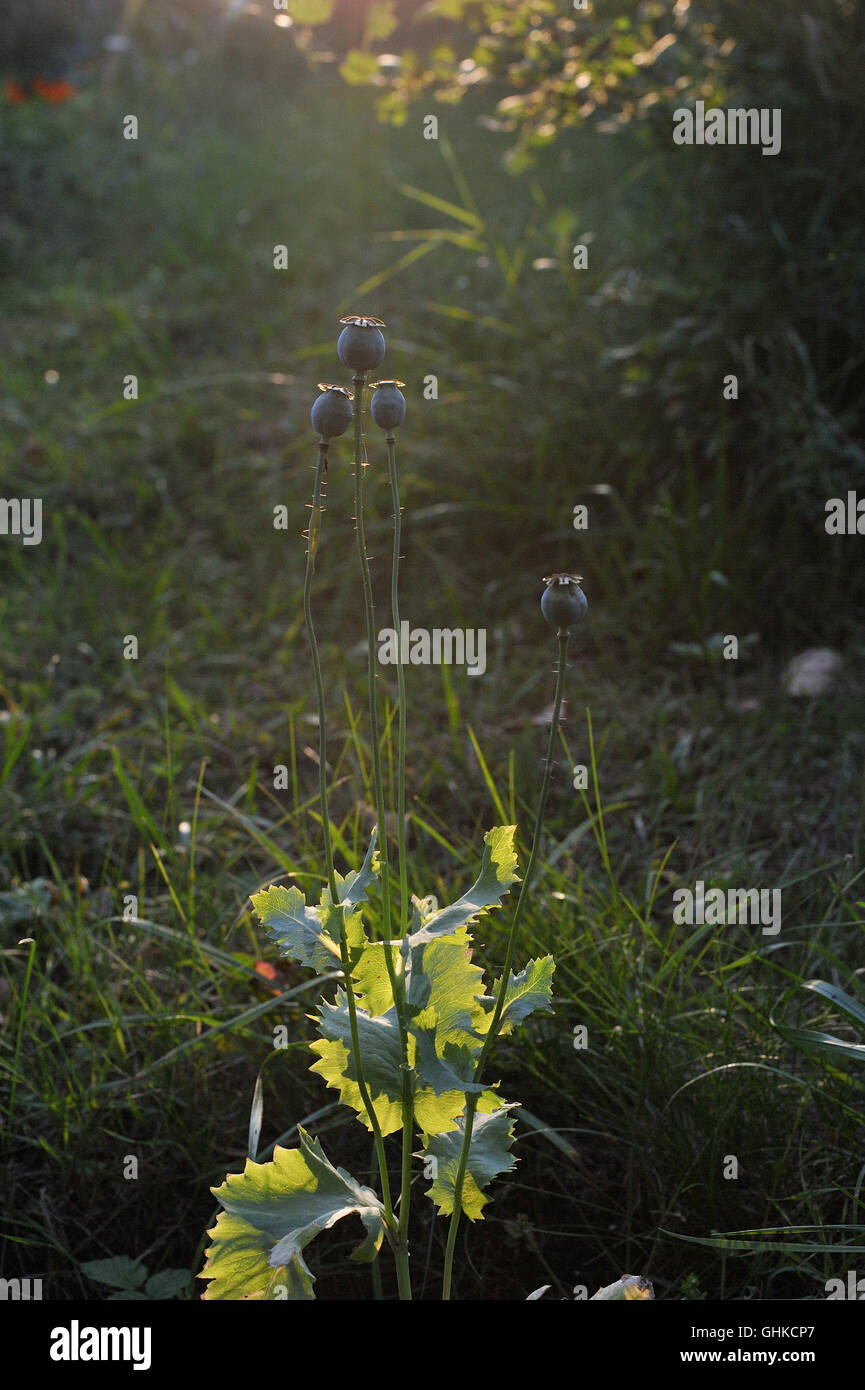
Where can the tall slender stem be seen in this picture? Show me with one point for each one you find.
(407, 1095)
(369, 613)
(472, 1100)
(400, 670)
(396, 978)
(312, 546)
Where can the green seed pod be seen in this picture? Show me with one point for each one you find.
(331, 412)
(387, 406)
(361, 344)
(563, 602)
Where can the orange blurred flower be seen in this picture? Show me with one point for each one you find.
(270, 977)
(53, 91)
(14, 94)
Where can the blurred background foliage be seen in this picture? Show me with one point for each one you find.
(733, 263)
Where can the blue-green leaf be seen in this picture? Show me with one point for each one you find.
(354, 886)
(311, 934)
(381, 1056)
(380, 1048)
(168, 1283)
(307, 934)
(492, 1136)
(296, 928)
(117, 1272)
(498, 872)
(448, 1067)
(526, 992)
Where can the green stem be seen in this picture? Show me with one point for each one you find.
(472, 1100)
(407, 1097)
(312, 546)
(375, 1266)
(394, 603)
(369, 613)
(314, 533)
(396, 978)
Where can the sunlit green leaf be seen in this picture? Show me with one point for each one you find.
(358, 68)
(380, 21)
(438, 1114)
(372, 983)
(381, 1056)
(444, 988)
(310, 11)
(335, 1066)
(271, 1213)
(432, 200)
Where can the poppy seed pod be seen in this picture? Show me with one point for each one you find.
(563, 602)
(361, 344)
(331, 412)
(387, 406)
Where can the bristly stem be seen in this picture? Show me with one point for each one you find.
(312, 546)
(407, 1096)
(472, 1099)
(396, 978)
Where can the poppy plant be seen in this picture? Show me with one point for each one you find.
(406, 1036)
